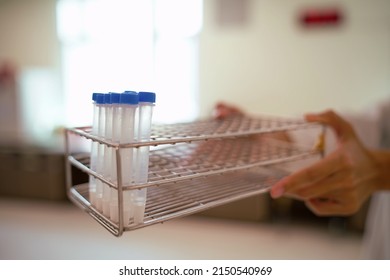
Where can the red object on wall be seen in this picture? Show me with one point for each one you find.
(321, 17)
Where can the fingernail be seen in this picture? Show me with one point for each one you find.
(277, 191)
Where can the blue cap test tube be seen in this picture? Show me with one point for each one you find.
(94, 185)
(128, 103)
(107, 154)
(116, 132)
(121, 118)
(146, 104)
(101, 103)
(94, 148)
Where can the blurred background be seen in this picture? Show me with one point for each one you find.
(276, 57)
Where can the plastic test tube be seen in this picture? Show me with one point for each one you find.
(116, 132)
(100, 151)
(94, 149)
(129, 107)
(146, 104)
(107, 154)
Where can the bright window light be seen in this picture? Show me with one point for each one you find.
(178, 18)
(118, 45)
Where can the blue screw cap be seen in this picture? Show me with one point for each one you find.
(100, 98)
(115, 97)
(107, 98)
(130, 92)
(129, 98)
(145, 96)
(95, 95)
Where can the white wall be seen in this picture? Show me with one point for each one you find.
(29, 41)
(273, 65)
(28, 33)
(269, 65)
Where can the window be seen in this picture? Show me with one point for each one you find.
(117, 45)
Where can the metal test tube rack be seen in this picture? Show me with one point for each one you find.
(196, 166)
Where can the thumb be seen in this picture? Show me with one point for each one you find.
(341, 127)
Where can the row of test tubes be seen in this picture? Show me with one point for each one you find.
(121, 118)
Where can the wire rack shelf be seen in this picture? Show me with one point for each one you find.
(195, 166)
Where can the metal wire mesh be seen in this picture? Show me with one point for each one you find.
(218, 156)
(205, 130)
(196, 166)
(175, 200)
(234, 126)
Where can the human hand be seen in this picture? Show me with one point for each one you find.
(341, 182)
(223, 110)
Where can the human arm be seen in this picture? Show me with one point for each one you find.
(382, 158)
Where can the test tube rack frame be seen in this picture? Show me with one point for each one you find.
(195, 166)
